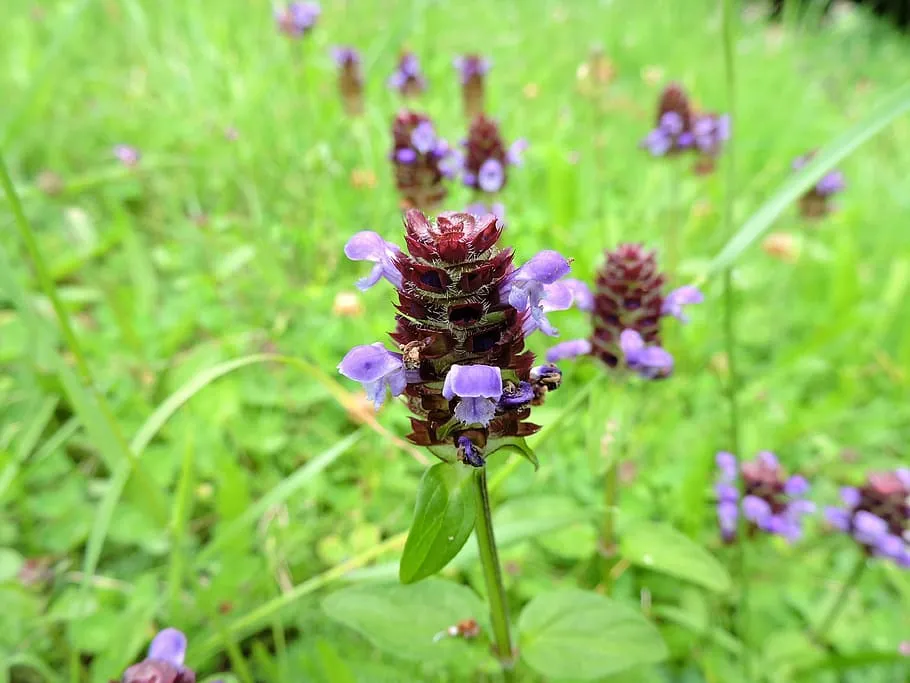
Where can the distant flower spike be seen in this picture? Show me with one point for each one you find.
(350, 79)
(297, 19)
(422, 161)
(164, 663)
(487, 159)
(407, 78)
(772, 502)
(472, 70)
(462, 314)
(627, 307)
(877, 515)
(818, 202)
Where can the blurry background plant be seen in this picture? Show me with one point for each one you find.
(175, 447)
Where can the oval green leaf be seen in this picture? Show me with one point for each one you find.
(575, 634)
(663, 549)
(443, 520)
(403, 620)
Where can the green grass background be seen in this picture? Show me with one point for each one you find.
(216, 248)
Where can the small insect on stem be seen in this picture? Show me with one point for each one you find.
(466, 628)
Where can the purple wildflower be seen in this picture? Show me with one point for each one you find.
(297, 18)
(472, 70)
(422, 161)
(772, 503)
(818, 202)
(127, 155)
(377, 369)
(487, 159)
(164, 663)
(407, 78)
(350, 78)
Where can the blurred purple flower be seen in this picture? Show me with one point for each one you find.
(297, 18)
(377, 369)
(407, 78)
(127, 155)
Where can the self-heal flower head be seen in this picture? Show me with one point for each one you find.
(487, 159)
(377, 369)
(407, 78)
(627, 308)
(462, 366)
(877, 516)
(350, 79)
(369, 246)
(164, 663)
(297, 18)
(772, 503)
(422, 161)
(472, 71)
(818, 201)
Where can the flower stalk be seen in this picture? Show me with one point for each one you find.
(492, 575)
(838, 606)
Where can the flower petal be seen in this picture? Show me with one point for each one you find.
(545, 267)
(369, 363)
(850, 496)
(796, 486)
(491, 176)
(472, 381)
(682, 296)
(569, 349)
(729, 468)
(516, 150)
(726, 492)
(630, 342)
(838, 518)
(423, 137)
(168, 646)
(475, 410)
(868, 528)
(581, 294)
(756, 509)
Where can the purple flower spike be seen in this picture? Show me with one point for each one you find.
(647, 361)
(298, 18)
(491, 176)
(369, 246)
(423, 137)
(526, 286)
(569, 349)
(679, 297)
(342, 54)
(376, 368)
(479, 387)
(169, 646)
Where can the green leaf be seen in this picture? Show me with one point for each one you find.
(662, 548)
(518, 444)
(811, 173)
(580, 635)
(443, 520)
(403, 620)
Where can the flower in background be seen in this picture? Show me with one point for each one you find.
(487, 159)
(627, 307)
(817, 201)
(407, 78)
(472, 69)
(877, 515)
(463, 312)
(164, 663)
(680, 128)
(127, 155)
(350, 79)
(422, 161)
(297, 18)
(772, 502)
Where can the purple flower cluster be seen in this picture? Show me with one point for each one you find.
(877, 515)
(422, 161)
(486, 158)
(164, 663)
(471, 67)
(127, 155)
(407, 78)
(473, 70)
(350, 79)
(298, 18)
(771, 503)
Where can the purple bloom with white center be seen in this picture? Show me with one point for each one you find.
(377, 369)
(298, 18)
(164, 663)
(525, 290)
(648, 361)
(369, 246)
(772, 503)
(479, 388)
(679, 297)
(127, 155)
(877, 515)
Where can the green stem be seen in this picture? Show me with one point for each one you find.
(492, 574)
(841, 600)
(674, 220)
(608, 538)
